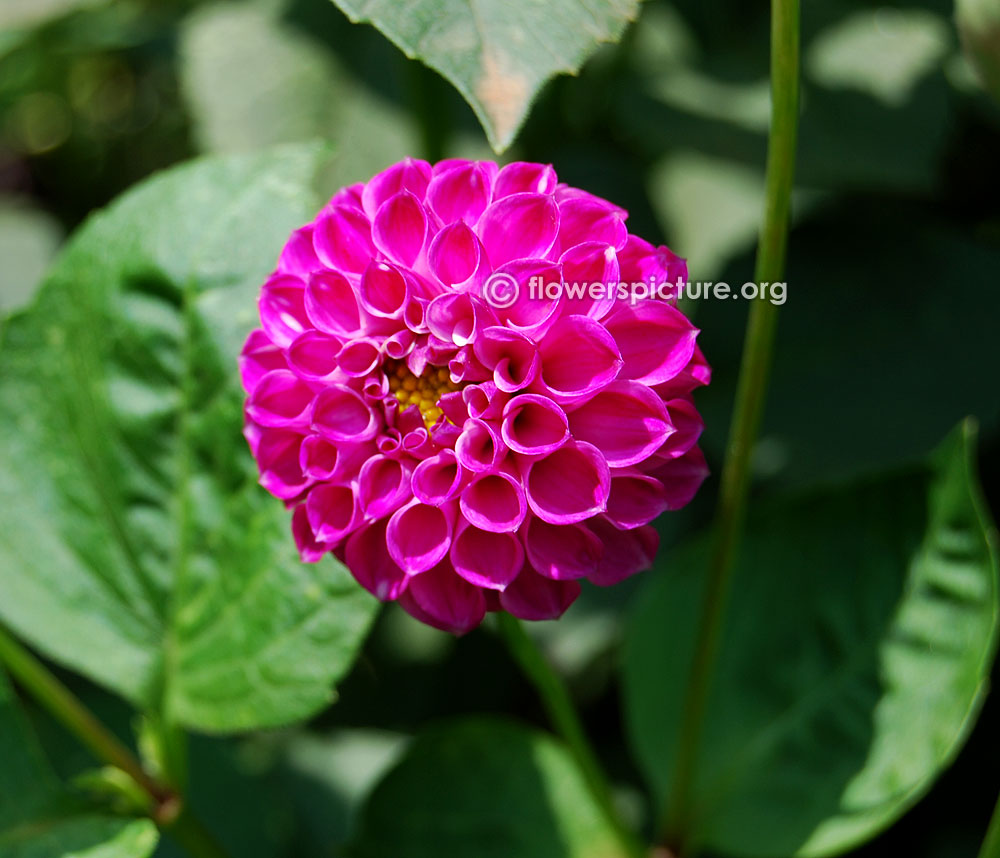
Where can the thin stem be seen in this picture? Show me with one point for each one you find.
(166, 807)
(751, 390)
(991, 845)
(563, 715)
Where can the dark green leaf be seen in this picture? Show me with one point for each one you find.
(135, 545)
(36, 818)
(486, 788)
(498, 55)
(857, 648)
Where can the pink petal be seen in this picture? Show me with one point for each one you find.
(578, 358)
(656, 340)
(533, 311)
(524, 177)
(277, 454)
(486, 559)
(511, 356)
(443, 599)
(400, 228)
(534, 425)
(383, 291)
(333, 512)
(562, 552)
(332, 305)
(311, 550)
(518, 227)
(457, 257)
(457, 317)
(635, 500)
(343, 239)
(419, 536)
(479, 447)
(439, 479)
(258, 357)
(461, 193)
(341, 414)
(313, 355)
(583, 266)
(626, 421)
(626, 552)
(640, 260)
(532, 597)
(583, 220)
(494, 502)
(568, 485)
(282, 309)
(281, 400)
(682, 477)
(359, 357)
(484, 400)
(408, 175)
(298, 257)
(383, 486)
(321, 459)
(367, 556)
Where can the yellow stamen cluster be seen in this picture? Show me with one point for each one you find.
(424, 391)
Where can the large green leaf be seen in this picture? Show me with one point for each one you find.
(37, 819)
(498, 55)
(487, 788)
(855, 657)
(135, 545)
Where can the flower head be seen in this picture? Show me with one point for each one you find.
(462, 448)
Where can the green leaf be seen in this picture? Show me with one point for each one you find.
(37, 818)
(498, 55)
(861, 630)
(135, 545)
(487, 788)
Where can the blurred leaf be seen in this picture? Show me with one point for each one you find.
(37, 819)
(498, 55)
(135, 545)
(16, 14)
(979, 26)
(252, 81)
(488, 788)
(855, 658)
(29, 238)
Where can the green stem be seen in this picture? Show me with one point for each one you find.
(562, 713)
(750, 395)
(991, 845)
(166, 807)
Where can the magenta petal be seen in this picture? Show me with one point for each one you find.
(583, 266)
(568, 485)
(298, 257)
(524, 177)
(535, 308)
(626, 421)
(419, 536)
(479, 447)
(311, 550)
(400, 228)
(484, 401)
(534, 425)
(313, 355)
(383, 486)
(456, 257)
(591, 220)
(333, 512)
(277, 453)
(282, 309)
(562, 552)
(640, 260)
(321, 459)
(343, 239)
(439, 479)
(332, 305)
(518, 227)
(383, 291)
(635, 500)
(441, 598)
(258, 358)
(456, 317)
(532, 597)
(656, 340)
(359, 357)
(512, 356)
(626, 552)
(368, 559)
(578, 357)
(280, 400)
(341, 414)
(461, 193)
(409, 174)
(682, 477)
(688, 427)
(486, 559)
(494, 502)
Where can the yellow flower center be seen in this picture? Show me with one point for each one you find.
(424, 390)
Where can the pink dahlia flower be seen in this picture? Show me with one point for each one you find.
(459, 455)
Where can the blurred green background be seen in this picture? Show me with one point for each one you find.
(888, 337)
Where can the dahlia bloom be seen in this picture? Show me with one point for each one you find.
(458, 455)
